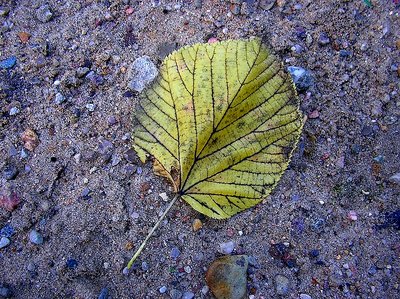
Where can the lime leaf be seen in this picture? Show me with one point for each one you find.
(221, 122)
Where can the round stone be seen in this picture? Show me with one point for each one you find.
(35, 237)
(282, 284)
(4, 242)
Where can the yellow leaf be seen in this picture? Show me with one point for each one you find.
(221, 121)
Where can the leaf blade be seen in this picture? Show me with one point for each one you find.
(231, 123)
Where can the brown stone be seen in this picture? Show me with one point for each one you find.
(24, 36)
(197, 225)
(227, 277)
(30, 140)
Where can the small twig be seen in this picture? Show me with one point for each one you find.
(140, 249)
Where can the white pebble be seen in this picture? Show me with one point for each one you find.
(13, 111)
(204, 290)
(125, 271)
(164, 196)
(227, 248)
(90, 107)
(352, 215)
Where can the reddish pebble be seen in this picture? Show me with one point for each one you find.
(9, 202)
(352, 215)
(129, 11)
(212, 40)
(24, 36)
(314, 114)
(230, 232)
(325, 156)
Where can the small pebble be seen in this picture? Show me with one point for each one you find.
(204, 290)
(13, 111)
(352, 215)
(72, 263)
(282, 284)
(9, 201)
(323, 39)
(197, 225)
(395, 178)
(344, 53)
(379, 159)
(305, 296)
(103, 294)
(318, 225)
(266, 4)
(235, 9)
(4, 11)
(187, 269)
(227, 247)
(115, 159)
(10, 172)
(367, 131)
(5, 292)
(164, 196)
(372, 270)
(145, 266)
(82, 71)
(24, 154)
(297, 49)
(59, 98)
(8, 63)
(175, 253)
(188, 295)
(314, 253)
(7, 231)
(44, 14)
(30, 140)
(95, 78)
(35, 237)
(125, 271)
(112, 120)
(143, 72)
(314, 114)
(91, 107)
(175, 294)
(4, 242)
(302, 78)
(298, 6)
(162, 290)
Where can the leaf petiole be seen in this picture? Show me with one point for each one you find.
(140, 249)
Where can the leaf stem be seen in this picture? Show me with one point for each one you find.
(140, 249)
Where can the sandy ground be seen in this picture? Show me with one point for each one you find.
(84, 190)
